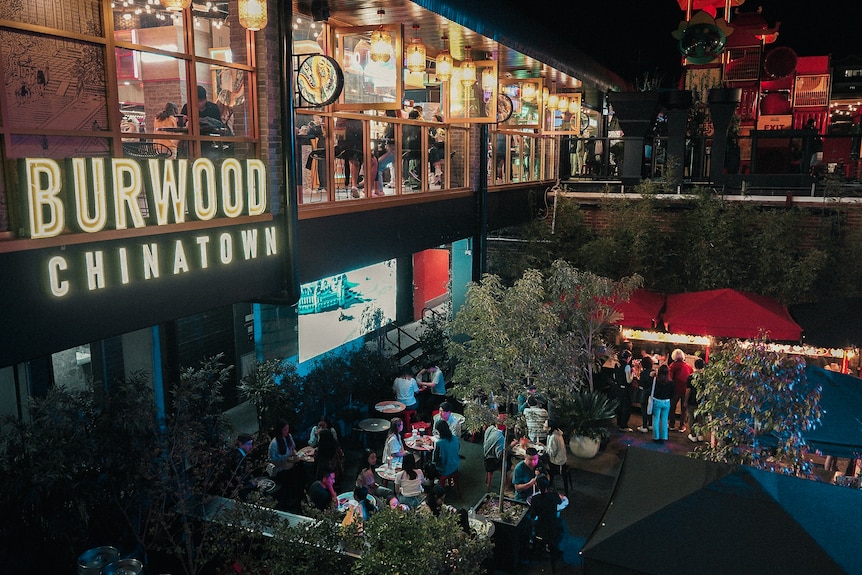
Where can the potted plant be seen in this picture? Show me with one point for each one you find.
(586, 417)
(510, 530)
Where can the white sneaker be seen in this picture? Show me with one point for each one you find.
(643, 429)
(692, 438)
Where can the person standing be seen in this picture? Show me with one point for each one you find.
(437, 384)
(405, 389)
(545, 507)
(623, 381)
(645, 380)
(661, 404)
(555, 449)
(536, 417)
(526, 474)
(678, 371)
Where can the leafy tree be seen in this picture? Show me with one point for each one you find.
(757, 405)
(273, 387)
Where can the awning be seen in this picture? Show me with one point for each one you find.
(840, 430)
(729, 313)
(642, 310)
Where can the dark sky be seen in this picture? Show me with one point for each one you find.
(634, 36)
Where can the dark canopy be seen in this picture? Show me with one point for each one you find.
(673, 514)
(729, 313)
(840, 429)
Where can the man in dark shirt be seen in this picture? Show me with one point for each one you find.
(322, 492)
(206, 109)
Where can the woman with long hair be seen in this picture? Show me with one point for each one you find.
(447, 450)
(167, 119)
(368, 480)
(408, 483)
(282, 468)
(664, 388)
(393, 451)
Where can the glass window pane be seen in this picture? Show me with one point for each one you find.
(218, 34)
(57, 147)
(456, 160)
(383, 152)
(149, 25)
(225, 88)
(58, 84)
(348, 149)
(146, 84)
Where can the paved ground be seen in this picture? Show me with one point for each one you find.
(592, 484)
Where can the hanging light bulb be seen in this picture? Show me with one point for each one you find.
(489, 80)
(528, 92)
(553, 100)
(573, 106)
(381, 42)
(176, 4)
(443, 63)
(563, 103)
(252, 14)
(468, 68)
(416, 52)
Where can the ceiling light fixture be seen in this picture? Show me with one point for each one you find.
(416, 52)
(468, 68)
(252, 14)
(443, 63)
(381, 42)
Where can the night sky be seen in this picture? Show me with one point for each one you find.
(634, 36)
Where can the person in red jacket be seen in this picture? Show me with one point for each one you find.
(678, 370)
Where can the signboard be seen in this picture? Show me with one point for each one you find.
(775, 122)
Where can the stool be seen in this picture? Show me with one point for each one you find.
(452, 481)
(408, 415)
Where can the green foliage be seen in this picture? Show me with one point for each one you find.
(588, 414)
(273, 387)
(309, 547)
(757, 404)
(434, 338)
(369, 376)
(397, 541)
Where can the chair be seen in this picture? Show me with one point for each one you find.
(409, 414)
(146, 150)
(452, 481)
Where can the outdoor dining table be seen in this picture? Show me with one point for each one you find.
(387, 473)
(520, 451)
(346, 500)
(374, 425)
(421, 444)
(306, 454)
(391, 406)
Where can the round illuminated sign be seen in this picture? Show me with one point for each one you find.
(504, 107)
(320, 80)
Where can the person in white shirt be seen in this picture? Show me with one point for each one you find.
(406, 388)
(537, 417)
(446, 415)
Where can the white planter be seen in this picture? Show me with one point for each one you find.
(584, 447)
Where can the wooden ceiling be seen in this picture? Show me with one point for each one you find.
(431, 29)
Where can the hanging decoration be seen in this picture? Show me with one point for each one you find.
(443, 63)
(176, 4)
(381, 42)
(416, 52)
(468, 68)
(252, 14)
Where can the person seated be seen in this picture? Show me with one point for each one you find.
(321, 493)
(447, 450)
(366, 477)
(393, 450)
(408, 483)
(446, 414)
(435, 501)
(365, 505)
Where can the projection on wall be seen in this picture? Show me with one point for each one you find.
(340, 308)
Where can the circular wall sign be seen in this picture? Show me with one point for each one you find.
(504, 107)
(320, 80)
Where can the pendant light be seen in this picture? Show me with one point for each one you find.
(573, 106)
(416, 52)
(563, 104)
(443, 63)
(528, 92)
(468, 68)
(553, 101)
(381, 42)
(489, 80)
(252, 14)
(176, 5)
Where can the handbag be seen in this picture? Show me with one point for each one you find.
(639, 395)
(650, 400)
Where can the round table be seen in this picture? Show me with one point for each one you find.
(422, 444)
(346, 499)
(390, 407)
(306, 454)
(374, 424)
(520, 452)
(387, 472)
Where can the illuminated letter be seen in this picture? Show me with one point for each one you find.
(168, 192)
(203, 241)
(249, 243)
(46, 213)
(95, 270)
(81, 185)
(55, 265)
(231, 181)
(124, 266)
(180, 263)
(204, 186)
(226, 248)
(271, 245)
(127, 181)
(256, 184)
(151, 261)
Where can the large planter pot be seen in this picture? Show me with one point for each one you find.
(511, 531)
(584, 447)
